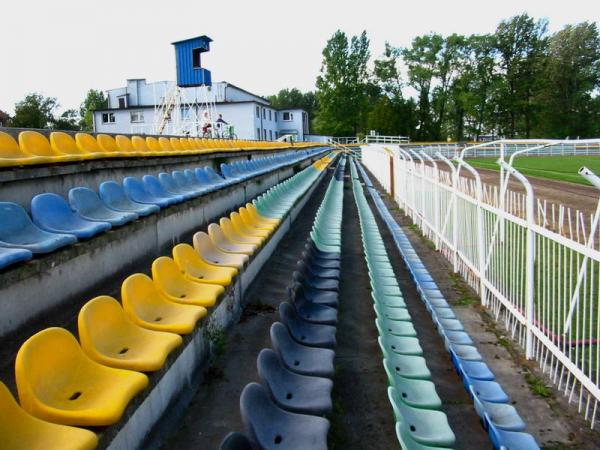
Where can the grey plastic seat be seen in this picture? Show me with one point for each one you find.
(426, 426)
(291, 391)
(273, 428)
(300, 358)
(306, 333)
(414, 392)
(313, 312)
(235, 441)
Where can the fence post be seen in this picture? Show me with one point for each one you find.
(529, 259)
(436, 200)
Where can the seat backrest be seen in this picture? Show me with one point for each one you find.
(42, 363)
(167, 274)
(165, 144)
(51, 210)
(34, 143)
(13, 219)
(259, 413)
(9, 148)
(83, 199)
(235, 441)
(107, 143)
(152, 144)
(97, 318)
(86, 143)
(124, 144)
(203, 244)
(139, 293)
(64, 143)
(185, 256)
(139, 144)
(111, 192)
(176, 144)
(185, 144)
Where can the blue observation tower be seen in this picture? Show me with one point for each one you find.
(188, 62)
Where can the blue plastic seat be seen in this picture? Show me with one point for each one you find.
(274, 428)
(488, 391)
(188, 183)
(300, 358)
(9, 256)
(153, 185)
(89, 206)
(306, 333)
(314, 249)
(317, 271)
(327, 298)
(52, 213)
(291, 391)
(136, 191)
(216, 178)
(172, 187)
(313, 312)
(503, 415)
(18, 231)
(315, 282)
(113, 196)
(235, 441)
(510, 440)
(325, 263)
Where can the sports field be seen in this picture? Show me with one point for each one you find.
(563, 168)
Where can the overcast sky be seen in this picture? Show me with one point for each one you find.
(62, 48)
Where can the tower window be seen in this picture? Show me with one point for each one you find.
(196, 58)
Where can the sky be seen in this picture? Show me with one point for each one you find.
(63, 48)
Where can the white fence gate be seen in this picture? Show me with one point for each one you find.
(536, 265)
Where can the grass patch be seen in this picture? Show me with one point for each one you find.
(218, 343)
(537, 386)
(561, 168)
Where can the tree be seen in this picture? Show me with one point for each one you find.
(342, 86)
(34, 111)
(94, 99)
(521, 42)
(571, 79)
(68, 120)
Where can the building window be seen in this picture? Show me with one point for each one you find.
(270, 117)
(108, 118)
(264, 134)
(196, 58)
(137, 117)
(275, 116)
(258, 133)
(264, 113)
(122, 102)
(270, 135)
(257, 112)
(288, 116)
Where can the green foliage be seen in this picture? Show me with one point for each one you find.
(294, 98)
(68, 120)
(94, 99)
(34, 111)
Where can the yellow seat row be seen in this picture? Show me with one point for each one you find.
(91, 382)
(34, 148)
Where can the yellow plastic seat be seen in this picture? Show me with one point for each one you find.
(225, 244)
(165, 145)
(21, 431)
(257, 217)
(36, 144)
(250, 221)
(110, 338)
(88, 144)
(125, 146)
(12, 155)
(169, 279)
(64, 144)
(148, 307)
(176, 145)
(240, 226)
(185, 144)
(58, 382)
(108, 145)
(197, 269)
(234, 236)
(214, 255)
(151, 144)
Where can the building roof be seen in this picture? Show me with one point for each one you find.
(203, 37)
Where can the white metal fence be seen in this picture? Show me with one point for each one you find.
(536, 265)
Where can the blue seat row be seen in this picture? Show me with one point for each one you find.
(286, 410)
(55, 223)
(420, 422)
(501, 420)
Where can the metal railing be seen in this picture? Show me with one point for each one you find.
(536, 265)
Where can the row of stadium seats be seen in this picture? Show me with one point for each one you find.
(34, 148)
(57, 223)
(500, 419)
(286, 410)
(420, 423)
(63, 383)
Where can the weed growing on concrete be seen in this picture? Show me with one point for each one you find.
(216, 336)
(537, 386)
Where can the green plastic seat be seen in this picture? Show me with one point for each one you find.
(403, 345)
(417, 393)
(391, 301)
(425, 426)
(408, 366)
(391, 313)
(408, 443)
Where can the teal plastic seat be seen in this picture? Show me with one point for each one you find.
(408, 366)
(414, 392)
(391, 301)
(426, 426)
(403, 345)
(397, 328)
(408, 443)
(392, 313)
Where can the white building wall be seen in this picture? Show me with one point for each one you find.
(294, 126)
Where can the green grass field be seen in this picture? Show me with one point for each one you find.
(562, 168)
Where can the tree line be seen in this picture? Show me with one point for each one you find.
(519, 82)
